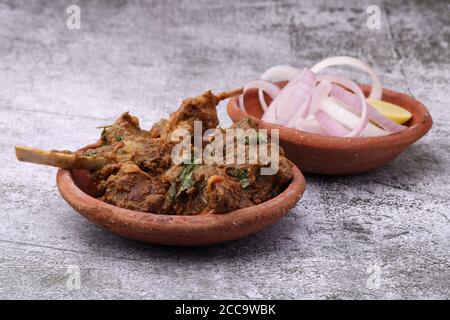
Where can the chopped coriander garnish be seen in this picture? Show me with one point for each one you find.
(186, 182)
(245, 183)
(186, 177)
(173, 193)
(119, 138)
(241, 175)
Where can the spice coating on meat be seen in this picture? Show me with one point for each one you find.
(131, 188)
(141, 175)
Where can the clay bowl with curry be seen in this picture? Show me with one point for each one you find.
(128, 183)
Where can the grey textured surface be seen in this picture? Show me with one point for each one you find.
(383, 234)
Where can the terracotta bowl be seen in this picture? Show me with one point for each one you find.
(315, 153)
(78, 191)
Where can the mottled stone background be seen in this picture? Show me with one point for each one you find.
(383, 234)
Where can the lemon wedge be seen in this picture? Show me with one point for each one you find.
(391, 111)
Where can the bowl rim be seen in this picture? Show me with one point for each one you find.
(421, 116)
(143, 222)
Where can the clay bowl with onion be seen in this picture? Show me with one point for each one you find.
(80, 192)
(314, 153)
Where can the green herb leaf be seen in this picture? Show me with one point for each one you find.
(241, 175)
(186, 182)
(119, 138)
(186, 177)
(173, 193)
(245, 182)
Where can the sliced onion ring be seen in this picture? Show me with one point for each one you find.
(263, 86)
(319, 95)
(303, 92)
(357, 90)
(340, 112)
(308, 125)
(291, 98)
(376, 91)
(352, 103)
(330, 125)
(285, 105)
(280, 73)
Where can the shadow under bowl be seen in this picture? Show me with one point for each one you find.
(314, 153)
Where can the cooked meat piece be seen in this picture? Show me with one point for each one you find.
(186, 192)
(136, 170)
(114, 138)
(157, 129)
(106, 171)
(224, 194)
(201, 108)
(155, 156)
(125, 126)
(203, 189)
(141, 175)
(125, 141)
(132, 188)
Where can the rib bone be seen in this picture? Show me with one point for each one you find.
(59, 159)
